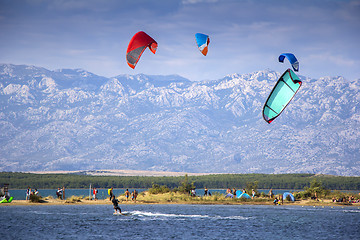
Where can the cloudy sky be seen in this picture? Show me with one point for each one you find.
(245, 35)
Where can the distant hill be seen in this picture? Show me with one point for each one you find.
(71, 120)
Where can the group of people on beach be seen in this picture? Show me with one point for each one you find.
(279, 200)
(127, 194)
(30, 192)
(233, 193)
(350, 199)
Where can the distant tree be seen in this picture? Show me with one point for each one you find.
(185, 186)
(156, 189)
(252, 185)
(316, 188)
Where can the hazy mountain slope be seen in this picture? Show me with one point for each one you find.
(74, 120)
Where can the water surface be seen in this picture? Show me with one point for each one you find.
(179, 222)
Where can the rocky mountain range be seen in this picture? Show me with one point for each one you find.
(71, 119)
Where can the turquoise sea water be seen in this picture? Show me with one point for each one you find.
(179, 222)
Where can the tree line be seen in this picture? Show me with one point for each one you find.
(18, 180)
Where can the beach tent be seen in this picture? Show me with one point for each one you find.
(288, 194)
(244, 195)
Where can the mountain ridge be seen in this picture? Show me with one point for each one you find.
(71, 119)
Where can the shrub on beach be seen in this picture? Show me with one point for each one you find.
(216, 196)
(288, 198)
(156, 189)
(49, 197)
(35, 198)
(264, 195)
(315, 189)
(74, 199)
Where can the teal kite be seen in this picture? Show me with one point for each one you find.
(281, 95)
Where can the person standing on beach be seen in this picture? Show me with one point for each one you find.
(127, 194)
(110, 192)
(94, 193)
(28, 192)
(206, 191)
(271, 193)
(134, 195)
(59, 193)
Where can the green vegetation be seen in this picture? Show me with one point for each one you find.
(185, 186)
(74, 199)
(19, 180)
(156, 189)
(315, 189)
(35, 198)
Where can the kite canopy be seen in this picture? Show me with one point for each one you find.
(138, 43)
(244, 195)
(229, 195)
(292, 59)
(281, 95)
(286, 194)
(202, 42)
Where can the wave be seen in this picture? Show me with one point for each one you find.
(352, 211)
(182, 216)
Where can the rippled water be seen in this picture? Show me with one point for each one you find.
(179, 222)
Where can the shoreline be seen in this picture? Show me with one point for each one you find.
(57, 202)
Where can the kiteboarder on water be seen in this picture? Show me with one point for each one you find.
(116, 205)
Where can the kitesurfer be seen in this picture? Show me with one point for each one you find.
(115, 202)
